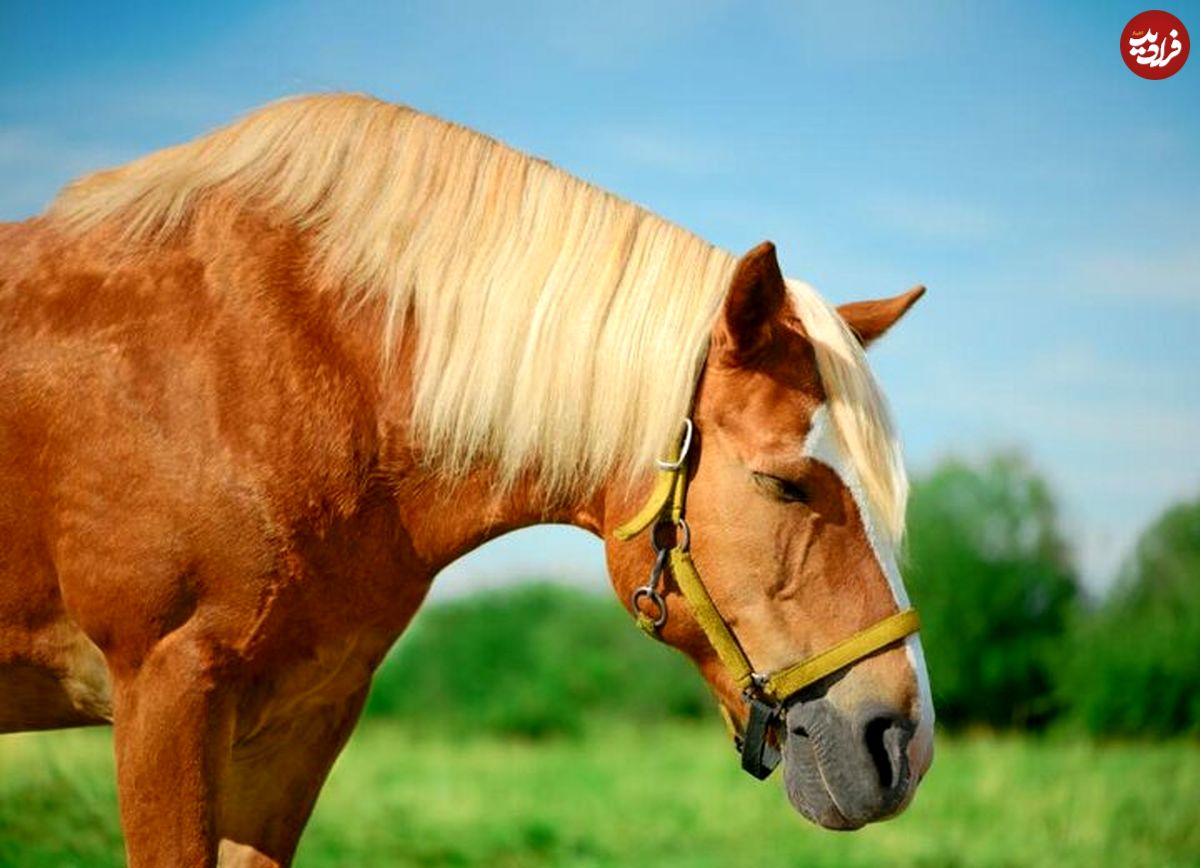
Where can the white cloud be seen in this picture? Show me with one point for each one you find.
(863, 33)
(1111, 435)
(35, 163)
(660, 148)
(608, 33)
(928, 218)
(1170, 277)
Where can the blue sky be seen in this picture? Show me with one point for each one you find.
(1002, 155)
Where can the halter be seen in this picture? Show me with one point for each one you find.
(765, 693)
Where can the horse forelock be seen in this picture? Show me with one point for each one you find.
(858, 410)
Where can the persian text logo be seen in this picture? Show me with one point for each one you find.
(1155, 44)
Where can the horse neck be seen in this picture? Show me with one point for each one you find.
(446, 517)
(443, 517)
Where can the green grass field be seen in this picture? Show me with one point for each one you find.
(665, 795)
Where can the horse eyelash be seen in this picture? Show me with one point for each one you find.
(781, 489)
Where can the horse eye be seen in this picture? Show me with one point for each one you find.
(781, 489)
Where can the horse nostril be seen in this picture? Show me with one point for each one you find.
(886, 738)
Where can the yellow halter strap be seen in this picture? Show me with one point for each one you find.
(765, 692)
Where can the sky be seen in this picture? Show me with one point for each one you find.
(1000, 154)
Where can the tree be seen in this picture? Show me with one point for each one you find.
(991, 575)
(1135, 669)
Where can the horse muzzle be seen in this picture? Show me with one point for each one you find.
(842, 770)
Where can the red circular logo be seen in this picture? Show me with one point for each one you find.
(1155, 44)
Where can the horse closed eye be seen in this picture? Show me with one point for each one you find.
(781, 489)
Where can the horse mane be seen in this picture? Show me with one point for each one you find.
(560, 329)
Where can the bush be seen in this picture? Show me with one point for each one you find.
(989, 571)
(532, 660)
(1135, 666)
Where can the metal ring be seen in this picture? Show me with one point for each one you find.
(655, 599)
(684, 541)
(688, 427)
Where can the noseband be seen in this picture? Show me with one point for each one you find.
(765, 693)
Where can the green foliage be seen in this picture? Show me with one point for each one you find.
(533, 660)
(990, 573)
(1135, 666)
(667, 795)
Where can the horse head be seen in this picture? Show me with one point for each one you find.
(794, 512)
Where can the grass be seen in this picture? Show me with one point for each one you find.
(662, 795)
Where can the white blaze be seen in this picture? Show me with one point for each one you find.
(822, 445)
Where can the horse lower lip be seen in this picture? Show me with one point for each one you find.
(805, 784)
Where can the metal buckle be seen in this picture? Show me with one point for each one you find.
(684, 542)
(649, 591)
(683, 450)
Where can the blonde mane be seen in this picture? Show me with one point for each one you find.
(560, 329)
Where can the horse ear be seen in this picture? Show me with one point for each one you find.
(870, 319)
(755, 296)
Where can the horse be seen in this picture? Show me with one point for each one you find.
(260, 387)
